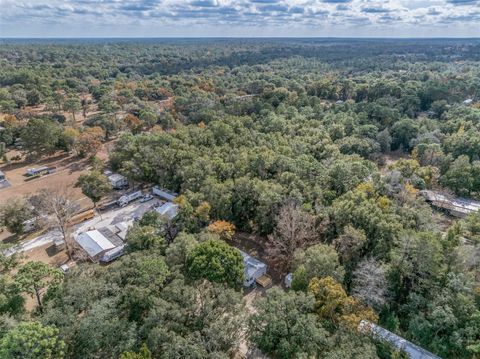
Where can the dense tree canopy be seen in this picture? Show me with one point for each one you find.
(317, 150)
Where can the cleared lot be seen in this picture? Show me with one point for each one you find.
(68, 169)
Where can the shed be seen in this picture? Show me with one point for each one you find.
(168, 209)
(288, 280)
(254, 269)
(117, 181)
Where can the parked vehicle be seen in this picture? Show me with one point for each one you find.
(33, 172)
(29, 225)
(129, 197)
(81, 217)
(146, 198)
(65, 268)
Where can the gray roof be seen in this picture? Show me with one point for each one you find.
(116, 177)
(168, 209)
(413, 351)
(460, 205)
(251, 264)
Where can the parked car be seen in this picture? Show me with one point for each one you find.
(146, 198)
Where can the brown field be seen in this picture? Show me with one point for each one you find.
(68, 169)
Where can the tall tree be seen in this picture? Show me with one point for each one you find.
(72, 104)
(13, 214)
(284, 326)
(94, 185)
(216, 261)
(295, 229)
(33, 277)
(61, 206)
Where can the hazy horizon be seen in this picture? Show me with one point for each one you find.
(240, 18)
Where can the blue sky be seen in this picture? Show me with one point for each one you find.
(165, 18)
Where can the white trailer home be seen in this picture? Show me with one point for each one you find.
(164, 194)
(254, 269)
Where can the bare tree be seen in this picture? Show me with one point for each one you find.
(369, 283)
(60, 206)
(295, 229)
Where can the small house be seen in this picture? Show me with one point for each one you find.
(254, 269)
(168, 209)
(117, 181)
(457, 207)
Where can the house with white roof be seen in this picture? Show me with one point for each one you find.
(96, 243)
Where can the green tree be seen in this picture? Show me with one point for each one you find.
(143, 353)
(319, 260)
(33, 277)
(40, 137)
(216, 261)
(32, 340)
(72, 105)
(94, 185)
(285, 326)
(13, 214)
(144, 237)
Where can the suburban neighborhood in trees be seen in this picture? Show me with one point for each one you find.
(240, 198)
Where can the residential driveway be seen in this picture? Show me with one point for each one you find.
(117, 215)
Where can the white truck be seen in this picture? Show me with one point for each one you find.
(129, 197)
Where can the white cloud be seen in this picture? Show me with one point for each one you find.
(37, 18)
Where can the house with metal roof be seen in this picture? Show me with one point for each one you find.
(98, 242)
(168, 209)
(412, 350)
(164, 194)
(457, 207)
(117, 181)
(254, 269)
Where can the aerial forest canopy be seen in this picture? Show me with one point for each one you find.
(319, 149)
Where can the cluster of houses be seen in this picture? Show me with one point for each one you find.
(108, 243)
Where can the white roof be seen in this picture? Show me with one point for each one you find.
(168, 209)
(94, 242)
